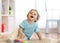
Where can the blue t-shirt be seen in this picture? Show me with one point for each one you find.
(28, 28)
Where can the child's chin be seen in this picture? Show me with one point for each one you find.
(31, 19)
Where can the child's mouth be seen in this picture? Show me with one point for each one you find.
(31, 16)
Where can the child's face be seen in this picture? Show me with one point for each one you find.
(32, 15)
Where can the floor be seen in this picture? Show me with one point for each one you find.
(52, 37)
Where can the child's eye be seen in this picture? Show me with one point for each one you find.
(34, 14)
(30, 12)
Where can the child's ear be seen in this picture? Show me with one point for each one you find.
(37, 18)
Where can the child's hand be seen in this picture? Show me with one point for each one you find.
(21, 36)
(39, 36)
(20, 33)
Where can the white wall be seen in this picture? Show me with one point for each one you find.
(41, 8)
(23, 6)
(53, 11)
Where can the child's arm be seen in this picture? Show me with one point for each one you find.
(20, 33)
(39, 35)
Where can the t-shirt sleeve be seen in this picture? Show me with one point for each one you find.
(36, 28)
(21, 25)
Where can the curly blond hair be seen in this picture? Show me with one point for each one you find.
(37, 14)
